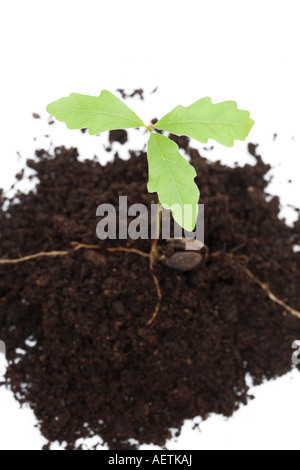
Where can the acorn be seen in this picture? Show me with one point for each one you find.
(184, 260)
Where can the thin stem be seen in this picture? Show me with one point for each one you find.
(149, 128)
(158, 221)
(153, 251)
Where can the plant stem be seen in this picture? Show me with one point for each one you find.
(158, 221)
(153, 251)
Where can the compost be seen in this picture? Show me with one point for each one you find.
(83, 351)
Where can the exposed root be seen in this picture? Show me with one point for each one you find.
(159, 295)
(129, 250)
(51, 254)
(152, 258)
(262, 285)
(78, 246)
(271, 296)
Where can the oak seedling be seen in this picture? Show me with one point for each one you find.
(170, 175)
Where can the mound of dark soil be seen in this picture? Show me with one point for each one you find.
(97, 367)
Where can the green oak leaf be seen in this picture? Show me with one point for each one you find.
(172, 177)
(97, 113)
(204, 120)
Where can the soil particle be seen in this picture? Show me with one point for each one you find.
(182, 141)
(119, 135)
(154, 91)
(138, 92)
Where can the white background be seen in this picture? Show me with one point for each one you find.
(247, 51)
